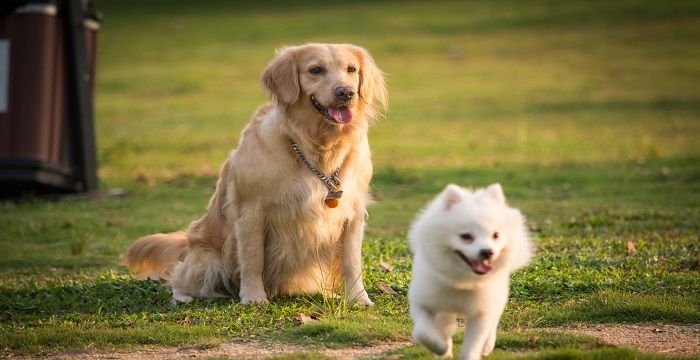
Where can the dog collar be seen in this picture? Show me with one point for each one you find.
(332, 182)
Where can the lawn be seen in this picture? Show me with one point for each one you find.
(587, 112)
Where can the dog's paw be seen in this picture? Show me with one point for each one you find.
(490, 344)
(362, 299)
(488, 347)
(254, 301)
(434, 343)
(180, 297)
(448, 352)
(256, 297)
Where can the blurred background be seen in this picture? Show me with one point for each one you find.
(526, 86)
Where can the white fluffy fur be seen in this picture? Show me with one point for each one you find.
(444, 285)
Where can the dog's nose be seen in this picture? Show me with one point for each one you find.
(344, 93)
(486, 254)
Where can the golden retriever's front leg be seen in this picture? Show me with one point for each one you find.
(251, 254)
(352, 262)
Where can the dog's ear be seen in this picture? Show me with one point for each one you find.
(281, 77)
(451, 196)
(495, 192)
(372, 86)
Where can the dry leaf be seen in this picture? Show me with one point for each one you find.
(385, 266)
(377, 195)
(630, 248)
(316, 315)
(386, 289)
(533, 339)
(302, 319)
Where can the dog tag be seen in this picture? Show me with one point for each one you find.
(333, 198)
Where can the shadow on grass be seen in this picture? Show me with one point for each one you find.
(102, 297)
(363, 328)
(614, 307)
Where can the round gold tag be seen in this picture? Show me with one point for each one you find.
(331, 202)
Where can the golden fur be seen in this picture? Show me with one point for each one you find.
(267, 231)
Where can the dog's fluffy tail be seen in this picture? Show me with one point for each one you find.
(154, 256)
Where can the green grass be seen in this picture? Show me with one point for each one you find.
(587, 112)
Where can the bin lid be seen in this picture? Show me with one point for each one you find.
(37, 8)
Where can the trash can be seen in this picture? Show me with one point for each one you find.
(44, 144)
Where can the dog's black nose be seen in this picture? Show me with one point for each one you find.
(344, 93)
(486, 254)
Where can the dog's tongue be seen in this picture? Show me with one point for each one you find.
(481, 267)
(342, 116)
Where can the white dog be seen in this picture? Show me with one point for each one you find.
(465, 246)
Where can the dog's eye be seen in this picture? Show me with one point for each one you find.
(466, 236)
(316, 70)
(495, 235)
(351, 69)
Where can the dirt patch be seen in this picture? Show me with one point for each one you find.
(236, 350)
(662, 338)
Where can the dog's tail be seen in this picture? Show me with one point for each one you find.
(154, 256)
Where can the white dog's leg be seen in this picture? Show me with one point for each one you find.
(446, 324)
(476, 331)
(490, 341)
(499, 300)
(352, 262)
(251, 254)
(426, 332)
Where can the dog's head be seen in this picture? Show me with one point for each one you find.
(472, 233)
(339, 84)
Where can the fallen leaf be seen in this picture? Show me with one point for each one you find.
(113, 223)
(316, 315)
(630, 248)
(533, 339)
(377, 195)
(386, 289)
(385, 266)
(302, 319)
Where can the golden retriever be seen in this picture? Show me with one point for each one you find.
(273, 227)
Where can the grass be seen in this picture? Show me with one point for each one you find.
(587, 112)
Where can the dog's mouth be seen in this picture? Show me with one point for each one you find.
(480, 267)
(338, 115)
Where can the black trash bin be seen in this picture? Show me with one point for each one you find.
(47, 72)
